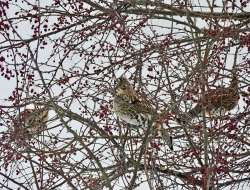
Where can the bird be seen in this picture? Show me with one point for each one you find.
(31, 121)
(134, 108)
(218, 100)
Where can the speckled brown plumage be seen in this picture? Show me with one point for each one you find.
(219, 99)
(30, 122)
(132, 107)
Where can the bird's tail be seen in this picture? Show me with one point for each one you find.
(163, 132)
(234, 81)
(167, 138)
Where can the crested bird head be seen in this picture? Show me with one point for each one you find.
(122, 86)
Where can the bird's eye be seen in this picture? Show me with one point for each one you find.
(123, 87)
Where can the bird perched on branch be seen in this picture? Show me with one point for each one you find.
(220, 99)
(134, 108)
(31, 121)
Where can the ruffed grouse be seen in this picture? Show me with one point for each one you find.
(220, 99)
(134, 108)
(31, 121)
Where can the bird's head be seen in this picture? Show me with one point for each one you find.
(122, 86)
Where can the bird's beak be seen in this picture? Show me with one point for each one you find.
(113, 91)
